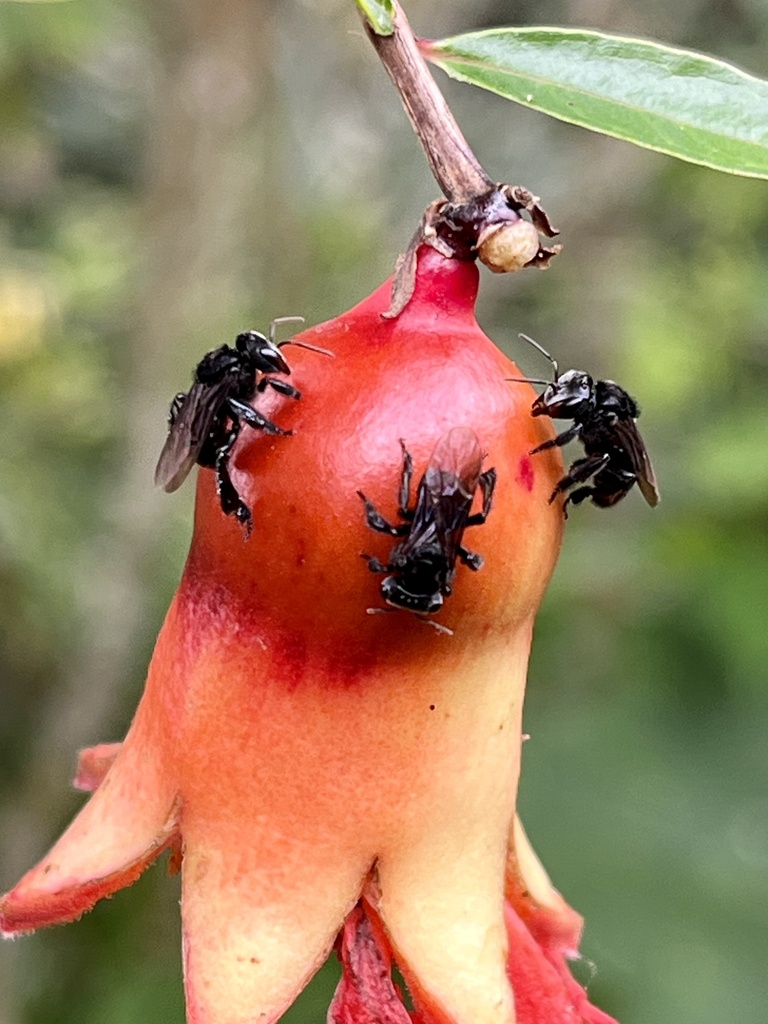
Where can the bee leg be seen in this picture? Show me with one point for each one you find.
(579, 472)
(229, 499)
(557, 442)
(377, 522)
(281, 386)
(472, 560)
(231, 502)
(375, 565)
(253, 418)
(487, 483)
(404, 493)
(576, 497)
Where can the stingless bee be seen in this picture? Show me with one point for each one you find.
(603, 417)
(205, 421)
(422, 565)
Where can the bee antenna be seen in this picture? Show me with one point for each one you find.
(544, 353)
(290, 341)
(528, 380)
(305, 344)
(283, 320)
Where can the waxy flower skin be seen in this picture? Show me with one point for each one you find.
(301, 754)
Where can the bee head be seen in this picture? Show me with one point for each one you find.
(261, 352)
(568, 396)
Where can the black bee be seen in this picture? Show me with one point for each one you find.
(205, 421)
(423, 564)
(604, 421)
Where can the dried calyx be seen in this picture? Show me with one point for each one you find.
(489, 227)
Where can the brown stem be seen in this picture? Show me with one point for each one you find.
(453, 163)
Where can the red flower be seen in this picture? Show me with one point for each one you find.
(302, 755)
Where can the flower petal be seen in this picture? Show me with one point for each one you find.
(545, 991)
(442, 878)
(441, 904)
(128, 822)
(254, 932)
(366, 993)
(553, 923)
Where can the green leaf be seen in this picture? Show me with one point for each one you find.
(674, 101)
(379, 15)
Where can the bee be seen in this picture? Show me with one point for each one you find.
(204, 422)
(603, 417)
(422, 565)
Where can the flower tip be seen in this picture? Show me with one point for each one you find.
(21, 913)
(30, 906)
(107, 846)
(93, 763)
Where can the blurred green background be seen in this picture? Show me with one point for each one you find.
(172, 173)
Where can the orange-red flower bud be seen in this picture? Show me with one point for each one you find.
(304, 754)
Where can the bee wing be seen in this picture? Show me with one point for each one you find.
(188, 433)
(451, 480)
(454, 465)
(630, 439)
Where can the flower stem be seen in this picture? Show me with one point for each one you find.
(454, 165)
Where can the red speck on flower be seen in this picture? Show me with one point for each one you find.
(525, 473)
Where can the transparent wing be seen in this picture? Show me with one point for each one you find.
(455, 464)
(629, 437)
(188, 433)
(450, 481)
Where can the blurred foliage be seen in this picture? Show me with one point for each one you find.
(645, 787)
